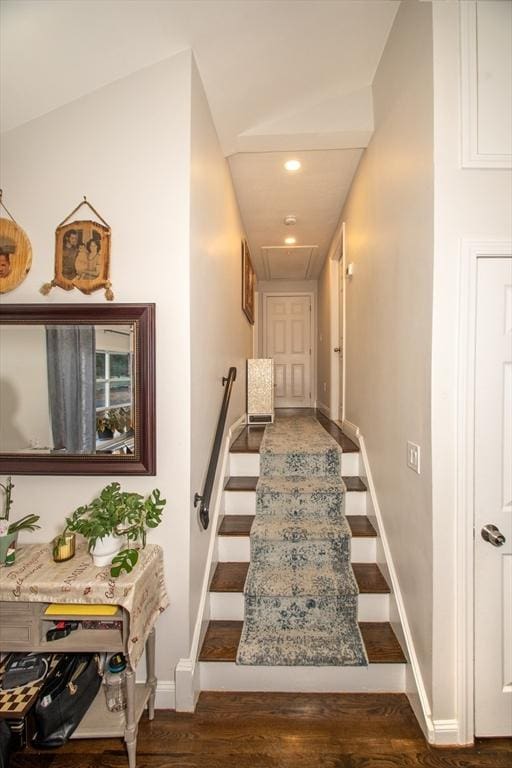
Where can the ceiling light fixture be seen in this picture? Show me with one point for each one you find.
(292, 165)
(291, 219)
(290, 240)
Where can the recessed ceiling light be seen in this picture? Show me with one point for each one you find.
(290, 240)
(292, 165)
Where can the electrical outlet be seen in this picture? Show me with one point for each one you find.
(413, 457)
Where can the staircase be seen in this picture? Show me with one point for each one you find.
(217, 668)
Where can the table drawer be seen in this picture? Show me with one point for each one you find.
(18, 626)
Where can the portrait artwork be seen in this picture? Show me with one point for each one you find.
(248, 283)
(82, 255)
(15, 255)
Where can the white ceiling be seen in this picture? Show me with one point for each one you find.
(314, 194)
(280, 75)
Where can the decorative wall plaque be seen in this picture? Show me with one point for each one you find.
(82, 255)
(15, 253)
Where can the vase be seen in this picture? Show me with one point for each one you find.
(105, 549)
(63, 547)
(6, 541)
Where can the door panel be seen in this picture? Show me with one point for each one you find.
(279, 344)
(280, 380)
(288, 342)
(298, 346)
(493, 498)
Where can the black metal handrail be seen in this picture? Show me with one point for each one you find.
(204, 509)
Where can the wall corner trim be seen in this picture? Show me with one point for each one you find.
(187, 671)
(445, 733)
(186, 689)
(418, 697)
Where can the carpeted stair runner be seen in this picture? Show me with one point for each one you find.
(300, 592)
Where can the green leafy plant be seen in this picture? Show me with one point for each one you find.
(120, 513)
(27, 523)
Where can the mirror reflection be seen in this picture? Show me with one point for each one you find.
(67, 389)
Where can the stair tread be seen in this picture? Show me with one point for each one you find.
(347, 445)
(241, 483)
(248, 483)
(361, 526)
(354, 483)
(370, 579)
(236, 525)
(222, 639)
(230, 577)
(240, 525)
(248, 441)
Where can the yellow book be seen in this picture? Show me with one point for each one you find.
(80, 609)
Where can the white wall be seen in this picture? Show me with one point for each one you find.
(127, 147)
(470, 204)
(220, 333)
(389, 239)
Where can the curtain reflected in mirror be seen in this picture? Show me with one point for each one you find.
(67, 389)
(71, 359)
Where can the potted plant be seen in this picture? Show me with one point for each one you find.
(9, 531)
(111, 517)
(104, 426)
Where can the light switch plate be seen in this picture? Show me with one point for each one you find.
(413, 456)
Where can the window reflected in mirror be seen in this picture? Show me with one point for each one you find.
(67, 389)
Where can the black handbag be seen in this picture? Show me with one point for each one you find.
(65, 698)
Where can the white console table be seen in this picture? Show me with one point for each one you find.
(35, 581)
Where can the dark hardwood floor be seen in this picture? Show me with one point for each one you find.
(279, 730)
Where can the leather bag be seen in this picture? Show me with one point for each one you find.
(65, 698)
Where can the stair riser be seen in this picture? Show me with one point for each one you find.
(244, 502)
(236, 549)
(230, 606)
(248, 464)
(228, 676)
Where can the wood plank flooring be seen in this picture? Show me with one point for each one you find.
(278, 730)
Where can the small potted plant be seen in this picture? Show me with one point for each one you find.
(104, 426)
(9, 531)
(111, 517)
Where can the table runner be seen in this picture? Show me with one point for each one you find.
(35, 577)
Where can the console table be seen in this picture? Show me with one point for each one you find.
(35, 581)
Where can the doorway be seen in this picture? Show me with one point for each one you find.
(288, 339)
(493, 498)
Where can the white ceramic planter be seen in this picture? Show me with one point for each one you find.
(105, 549)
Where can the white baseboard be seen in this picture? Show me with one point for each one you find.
(415, 689)
(187, 677)
(351, 430)
(446, 733)
(323, 409)
(165, 695)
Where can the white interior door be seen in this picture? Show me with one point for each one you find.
(493, 498)
(288, 343)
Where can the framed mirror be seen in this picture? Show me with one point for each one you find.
(77, 389)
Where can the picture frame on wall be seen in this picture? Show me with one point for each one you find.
(248, 283)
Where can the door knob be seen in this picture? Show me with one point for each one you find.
(492, 534)
(337, 349)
